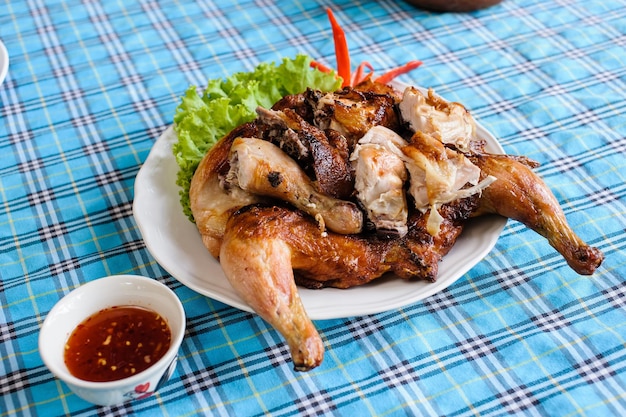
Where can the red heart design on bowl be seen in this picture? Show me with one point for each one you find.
(141, 388)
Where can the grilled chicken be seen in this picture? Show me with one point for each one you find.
(449, 122)
(380, 176)
(261, 168)
(353, 112)
(266, 250)
(257, 261)
(212, 200)
(520, 194)
(263, 195)
(323, 157)
(440, 175)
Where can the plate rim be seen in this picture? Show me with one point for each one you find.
(4, 62)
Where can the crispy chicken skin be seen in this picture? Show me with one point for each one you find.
(266, 250)
(520, 194)
(336, 260)
(212, 203)
(257, 262)
(268, 207)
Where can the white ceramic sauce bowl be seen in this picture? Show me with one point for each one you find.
(90, 298)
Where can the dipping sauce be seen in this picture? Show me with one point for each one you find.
(116, 343)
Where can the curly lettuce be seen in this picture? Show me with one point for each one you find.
(201, 119)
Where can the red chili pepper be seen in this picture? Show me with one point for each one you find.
(390, 75)
(319, 66)
(358, 76)
(342, 54)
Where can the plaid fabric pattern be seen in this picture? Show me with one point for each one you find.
(91, 86)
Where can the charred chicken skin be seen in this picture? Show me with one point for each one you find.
(337, 189)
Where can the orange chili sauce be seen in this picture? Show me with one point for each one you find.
(116, 343)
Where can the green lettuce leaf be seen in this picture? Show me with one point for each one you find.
(203, 118)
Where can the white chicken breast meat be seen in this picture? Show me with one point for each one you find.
(380, 176)
(448, 122)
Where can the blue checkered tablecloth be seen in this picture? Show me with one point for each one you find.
(91, 86)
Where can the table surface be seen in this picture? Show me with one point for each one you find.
(90, 87)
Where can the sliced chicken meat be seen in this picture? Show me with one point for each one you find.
(380, 176)
(448, 122)
(439, 175)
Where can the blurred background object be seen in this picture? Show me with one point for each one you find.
(453, 5)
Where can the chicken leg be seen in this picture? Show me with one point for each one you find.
(520, 194)
(259, 268)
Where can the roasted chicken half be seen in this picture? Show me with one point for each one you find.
(337, 189)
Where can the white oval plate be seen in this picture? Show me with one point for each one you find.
(176, 245)
(4, 62)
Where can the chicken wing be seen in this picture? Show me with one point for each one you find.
(261, 168)
(316, 152)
